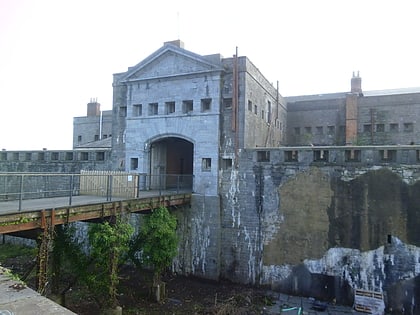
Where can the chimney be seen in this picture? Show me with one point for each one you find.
(93, 107)
(178, 43)
(356, 84)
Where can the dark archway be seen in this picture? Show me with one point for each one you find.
(172, 157)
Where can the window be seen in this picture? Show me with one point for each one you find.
(227, 103)
(54, 156)
(331, 130)
(187, 106)
(321, 155)
(41, 156)
(104, 136)
(249, 105)
(79, 138)
(393, 127)
(3, 156)
(297, 131)
(226, 164)
(263, 156)
(169, 108)
(16, 156)
(28, 156)
(100, 156)
(388, 155)
(291, 156)
(262, 114)
(69, 156)
(96, 138)
(205, 105)
(380, 128)
(255, 109)
(352, 155)
(123, 111)
(137, 110)
(308, 130)
(134, 164)
(84, 156)
(367, 128)
(206, 164)
(153, 109)
(319, 130)
(408, 127)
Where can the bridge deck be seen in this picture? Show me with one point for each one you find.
(37, 213)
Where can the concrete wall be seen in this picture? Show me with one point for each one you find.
(286, 224)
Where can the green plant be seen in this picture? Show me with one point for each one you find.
(156, 244)
(109, 244)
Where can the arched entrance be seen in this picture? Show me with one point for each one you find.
(171, 163)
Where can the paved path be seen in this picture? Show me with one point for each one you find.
(16, 299)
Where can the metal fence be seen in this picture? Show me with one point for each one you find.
(108, 184)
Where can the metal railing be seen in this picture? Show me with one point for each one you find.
(106, 184)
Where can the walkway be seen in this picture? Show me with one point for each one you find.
(16, 298)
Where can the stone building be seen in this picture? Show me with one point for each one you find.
(314, 195)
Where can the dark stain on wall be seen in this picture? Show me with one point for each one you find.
(364, 211)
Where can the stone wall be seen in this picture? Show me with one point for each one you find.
(286, 225)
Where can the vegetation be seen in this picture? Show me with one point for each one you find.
(109, 244)
(156, 244)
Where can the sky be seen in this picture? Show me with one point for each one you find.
(56, 55)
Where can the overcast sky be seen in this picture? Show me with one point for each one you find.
(55, 55)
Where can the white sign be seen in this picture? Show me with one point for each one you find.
(369, 302)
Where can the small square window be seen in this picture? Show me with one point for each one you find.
(367, 128)
(380, 128)
(227, 103)
(41, 156)
(408, 127)
(69, 156)
(319, 130)
(206, 105)
(28, 156)
(291, 156)
(153, 109)
(331, 130)
(297, 131)
(123, 111)
(352, 155)
(263, 156)
(96, 138)
(100, 156)
(134, 164)
(54, 156)
(308, 130)
(169, 108)
(137, 110)
(16, 156)
(226, 164)
(393, 127)
(3, 156)
(206, 164)
(187, 106)
(79, 138)
(84, 156)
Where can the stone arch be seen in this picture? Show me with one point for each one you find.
(172, 156)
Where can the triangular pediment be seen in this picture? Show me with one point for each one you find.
(169, 61)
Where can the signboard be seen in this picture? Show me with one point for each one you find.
(369, 302)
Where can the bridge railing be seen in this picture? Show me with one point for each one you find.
(106, 184)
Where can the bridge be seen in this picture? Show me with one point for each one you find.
(32, 204)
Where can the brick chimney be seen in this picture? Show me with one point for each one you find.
(93, 108)
(356, 84)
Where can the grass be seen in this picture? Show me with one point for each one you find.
(12, 251)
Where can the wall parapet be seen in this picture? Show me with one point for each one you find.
(338, 155)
